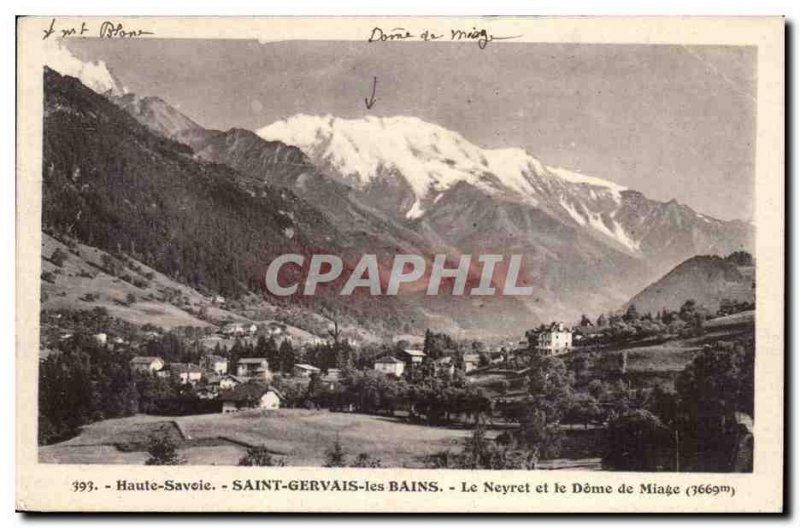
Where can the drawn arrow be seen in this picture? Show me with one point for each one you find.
(371, 101)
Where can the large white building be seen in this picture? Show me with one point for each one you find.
(554, 340)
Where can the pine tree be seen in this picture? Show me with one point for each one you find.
(286, 356)
(163, 451)
(336, 456)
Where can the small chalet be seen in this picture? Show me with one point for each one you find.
(253, 368)
(304, 370)
(185, 373)
(390, 365)
(250, 395)
(146, 364)
(215, 364)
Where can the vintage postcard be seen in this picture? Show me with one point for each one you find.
(400, 264)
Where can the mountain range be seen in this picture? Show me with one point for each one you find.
(371, 185)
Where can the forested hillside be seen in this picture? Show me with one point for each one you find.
(112, 183)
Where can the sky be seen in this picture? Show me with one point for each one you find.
(673, 122)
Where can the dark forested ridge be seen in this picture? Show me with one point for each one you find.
(112, 183)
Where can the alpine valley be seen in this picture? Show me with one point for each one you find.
(133, 176)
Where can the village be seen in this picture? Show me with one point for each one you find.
(556, 397)
(246, 382)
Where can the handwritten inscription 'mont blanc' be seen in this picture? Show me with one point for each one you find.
(107, 29)
(481, 36)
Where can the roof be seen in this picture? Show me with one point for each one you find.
(145, 360)
(472, 357)
(214, 357)
(217, 378)
(184, 367)
(557, 327)
(417, 353)
(249, 391)
(388, 360)
(306, 366)
(252, 361)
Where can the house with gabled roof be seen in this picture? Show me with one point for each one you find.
(146, 364)
(304, 370)
(412, 357)
(214, 363)
(185, 373)
(224, 381)
(390, 365)
(253, 368)
(250, 395)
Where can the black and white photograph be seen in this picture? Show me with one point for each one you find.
(620, 177)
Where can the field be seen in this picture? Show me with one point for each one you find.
(301, 436)
(83, 273)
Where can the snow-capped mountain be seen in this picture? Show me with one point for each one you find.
(406, 164)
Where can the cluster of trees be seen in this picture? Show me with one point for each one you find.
(83, 383)
(281, 358)
(83, 380)
(429, 399)
(86, 381)
(481, 452)
(337, 456)
(632, 326)
(697, 427)
(732, 306)
(260, 456)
